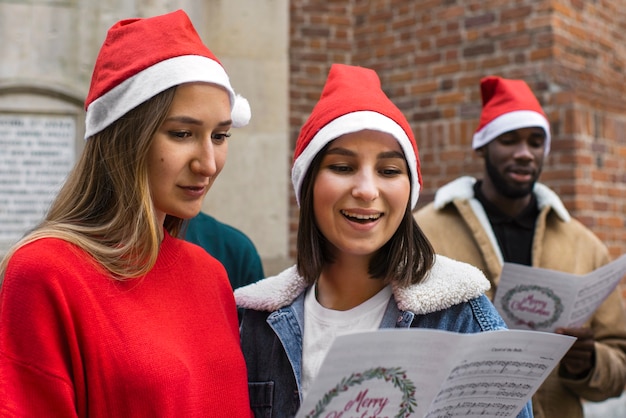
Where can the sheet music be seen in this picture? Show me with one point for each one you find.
(544, 300)
(432, 374)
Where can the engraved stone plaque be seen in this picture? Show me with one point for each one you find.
(36, 154)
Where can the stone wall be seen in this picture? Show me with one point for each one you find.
(49, 48)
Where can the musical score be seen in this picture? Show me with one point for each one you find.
(470, 408)
(498, 368)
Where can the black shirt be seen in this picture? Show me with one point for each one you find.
(514, 234)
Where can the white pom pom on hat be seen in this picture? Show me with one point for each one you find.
(241, 112)
(352, 100)
(508, 105)
(141, 58)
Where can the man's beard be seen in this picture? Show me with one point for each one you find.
(499, 182)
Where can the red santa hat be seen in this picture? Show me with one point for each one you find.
(508, 105)
(352, 100)
(140, 58)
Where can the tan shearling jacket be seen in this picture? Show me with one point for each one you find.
(458, 227)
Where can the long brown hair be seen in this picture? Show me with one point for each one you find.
(105, 206)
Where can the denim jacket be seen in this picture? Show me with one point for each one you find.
(450, 298)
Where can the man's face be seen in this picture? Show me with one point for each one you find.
(514, 160)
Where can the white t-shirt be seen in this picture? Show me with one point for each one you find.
(322, 325)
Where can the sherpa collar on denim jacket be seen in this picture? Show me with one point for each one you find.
(448, 283)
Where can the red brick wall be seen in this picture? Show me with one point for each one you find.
(430, 56)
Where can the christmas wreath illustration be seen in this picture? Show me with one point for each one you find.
(558, 304)
(395, 375)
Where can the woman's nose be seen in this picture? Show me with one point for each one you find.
(204, 164)
(365, 187)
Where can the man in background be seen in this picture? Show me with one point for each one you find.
(507, 216)
(234, 249)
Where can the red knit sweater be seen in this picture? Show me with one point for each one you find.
(74, 342)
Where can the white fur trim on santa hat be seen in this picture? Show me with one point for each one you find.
(506, 122)
(155, 79)
(349, 123)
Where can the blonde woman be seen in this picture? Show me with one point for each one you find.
(103, 311)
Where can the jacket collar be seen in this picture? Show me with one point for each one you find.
(448, 283)
(462, 188)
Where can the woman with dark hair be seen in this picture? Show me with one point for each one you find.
(103, 311)
(363, 263)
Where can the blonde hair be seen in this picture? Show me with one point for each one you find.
(105, 206)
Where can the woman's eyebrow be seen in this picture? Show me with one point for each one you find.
(347, 152)
(193, 121)
(391, 154)
(184, 119)
(340, 151)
